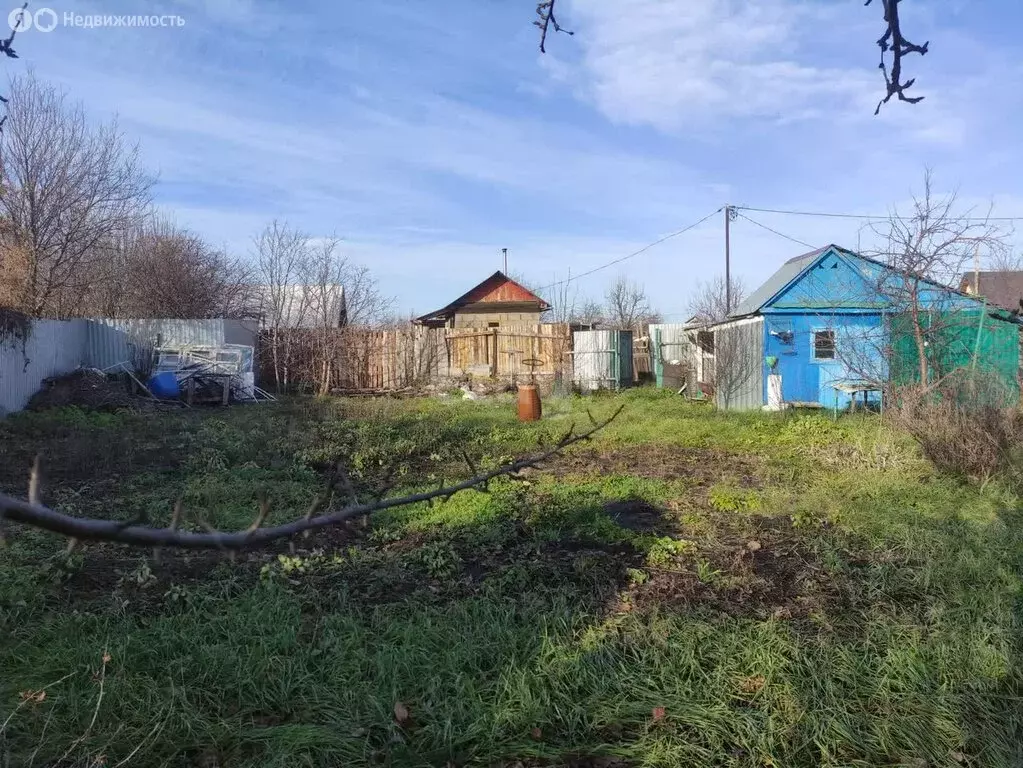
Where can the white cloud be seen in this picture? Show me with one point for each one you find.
(685, 63)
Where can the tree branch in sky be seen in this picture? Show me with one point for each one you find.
(545, 14)
(892, 40)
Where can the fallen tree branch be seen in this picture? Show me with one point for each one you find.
(33, 513)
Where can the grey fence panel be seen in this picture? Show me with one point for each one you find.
(116, 340)
(106, 346)
(739, 365)
(170, 332)
(50, 348)
(601, 359)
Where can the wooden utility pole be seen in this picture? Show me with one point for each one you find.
(976, 268)
(728, 266)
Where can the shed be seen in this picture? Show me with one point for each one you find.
(829, 328)
(496, 302)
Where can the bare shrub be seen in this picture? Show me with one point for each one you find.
(962, 425)
(163, 270)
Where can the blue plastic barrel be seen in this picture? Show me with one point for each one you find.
(164, 385)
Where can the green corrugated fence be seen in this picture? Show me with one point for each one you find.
(975, 340)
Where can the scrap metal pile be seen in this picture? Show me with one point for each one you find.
(206, 374)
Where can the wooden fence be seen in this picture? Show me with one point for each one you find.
(515, 352)
(396, 358)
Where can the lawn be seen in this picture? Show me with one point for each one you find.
(689, 588)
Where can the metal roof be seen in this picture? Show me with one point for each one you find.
(1001, 288)
(498, 289)
(785, 274)
(792, 268)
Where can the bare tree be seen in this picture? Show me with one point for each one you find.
(564, 298)
(626, 304)
(67, 190)
(342, 294)
(364, 303)
(280, 257)
(1004, 260)
(167, 271)
(310, 292)
(337, 504)
(590, 312)
(709, 303)
(923, 254)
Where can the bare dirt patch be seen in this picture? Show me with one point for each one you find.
(86, 388)
(106, 568)
(699, 466)
(750, 566)
(747, 567)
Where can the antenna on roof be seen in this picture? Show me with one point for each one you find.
(504, 251)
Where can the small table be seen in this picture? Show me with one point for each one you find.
(853, 388)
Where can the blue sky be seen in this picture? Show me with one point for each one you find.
(429, 135)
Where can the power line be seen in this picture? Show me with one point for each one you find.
(776, 232)
(864, 216)
(633, 254)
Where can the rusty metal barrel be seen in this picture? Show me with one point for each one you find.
(529, 402)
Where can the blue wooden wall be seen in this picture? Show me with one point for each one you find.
(859, 354)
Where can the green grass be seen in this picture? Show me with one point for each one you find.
(792, 591)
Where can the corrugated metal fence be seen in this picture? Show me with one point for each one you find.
(602, 359)
(46, 348)
(730, 359)
(739, 364)
(53, 347)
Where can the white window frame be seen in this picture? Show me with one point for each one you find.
(813, 345)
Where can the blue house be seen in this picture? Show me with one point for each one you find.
(818, 332)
